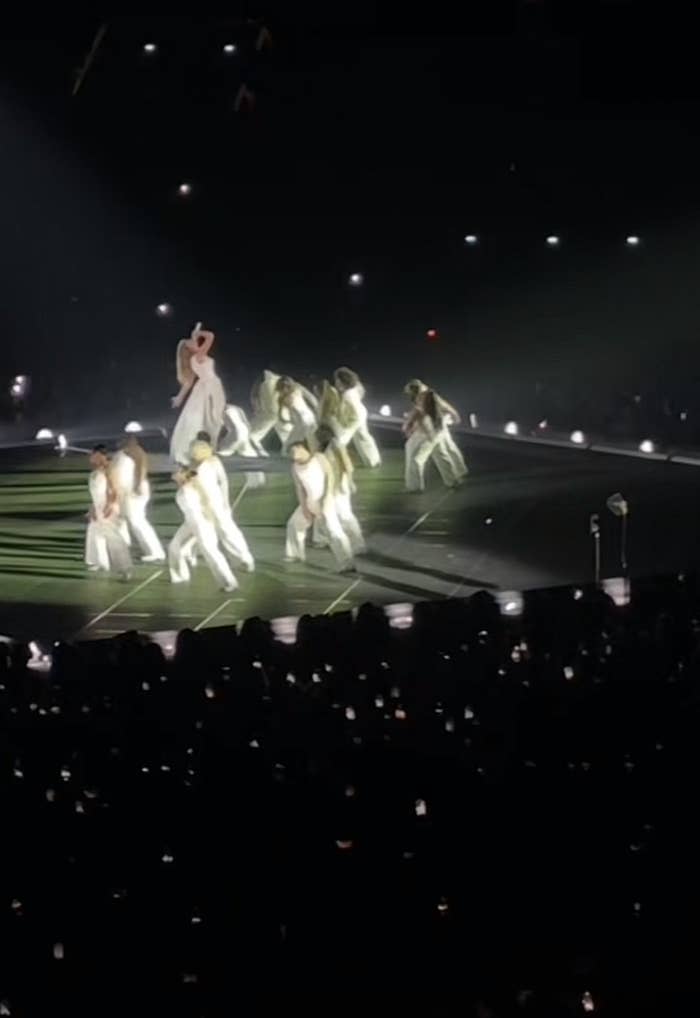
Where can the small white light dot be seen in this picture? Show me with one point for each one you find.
(385, 410)
(543, 425)
(150, 47)
(553, 240)
(587, 1002)
(356, 279)
(229, 48)
(421, 808)
(133, 428)
(633, 240)
(44, 434)
(184, 189)
(578, 594)
(471, 239)
(511, 428)
(647, 446)
(488, 521)
(163, 310)
(62, 442)
(577, 437)
(473, 421)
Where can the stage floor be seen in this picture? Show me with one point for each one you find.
(520, 521)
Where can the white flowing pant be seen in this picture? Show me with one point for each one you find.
(134, 512)
(419, 449)
(298, 526)
(364, 443)
(262, 425)
(243, 444)
(349, 523)
(105, 547)
(204, 533)
(230, 536)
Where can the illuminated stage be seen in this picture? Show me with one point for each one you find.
(520, 521)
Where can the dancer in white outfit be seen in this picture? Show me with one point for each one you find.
(313, 480)
(351, 425)
(447, 455)
(130, 478)
(344, 488)
(105, 547)
(201, 394)
(199, 523)
(266, 410)
(213, 480)
(238, 442)
(295, 407)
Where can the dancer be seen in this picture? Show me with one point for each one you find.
(198, 524)
(130, 478)
(238, 442)
(105, 547)
(352, 417)
(446, 454)
(295, 407)
(313, 481)
(201, 394)
(344, 488)
(213, 480)
(425, 430)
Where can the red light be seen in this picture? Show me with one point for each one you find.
(432, 334)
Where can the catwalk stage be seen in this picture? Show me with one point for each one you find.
(520, 521)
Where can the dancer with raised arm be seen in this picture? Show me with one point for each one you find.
(295, 408)
(201, 397)
(351, 424)
(198, 524)
(130, 478)
(105, 547)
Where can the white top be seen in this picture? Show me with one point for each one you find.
(203, 369)
(213, 478)
(311, 477)
(352, 409)
(123, 473)
(300, 411)
(190, 504)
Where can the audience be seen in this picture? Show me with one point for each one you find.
(463, 812)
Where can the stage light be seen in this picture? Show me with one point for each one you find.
(149, 47)
(510, 602)
(511, 428)
(432, 334)
(577, 437)
(471, 239)
(473, 421)
(647, 446)
(578, 594)
(553, 240)
(62, 443)
(163, 310)
(356, 279)
(385, 410)
(683, 415)
(229, 48)
(618, 588)
(133, 428)
(184, 189)
(543, 425)
(632, 241)
(44, 435)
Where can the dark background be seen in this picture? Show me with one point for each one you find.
(378, 140)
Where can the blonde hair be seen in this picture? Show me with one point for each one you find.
(183, 368)
(200, 451)
(329, 405)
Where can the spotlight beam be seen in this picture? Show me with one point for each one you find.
(92, 53)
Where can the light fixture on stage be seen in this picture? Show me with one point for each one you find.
(133, 428)
(511, 428)
(577, 437)
(184, 189)
(510, 602)
(19, 387)
(633, 240)
(229, 48)
(543, 425)
(44, 435)
(471, 239)
(150, 48)
(356, 279)
(432, 334)
(618, 588)
(647, 446)
(578, 594)
(62, 443)
(683, 415)
(400, 616)
(164, 309)
(385, 410)
(473, 421)
(553, 240)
